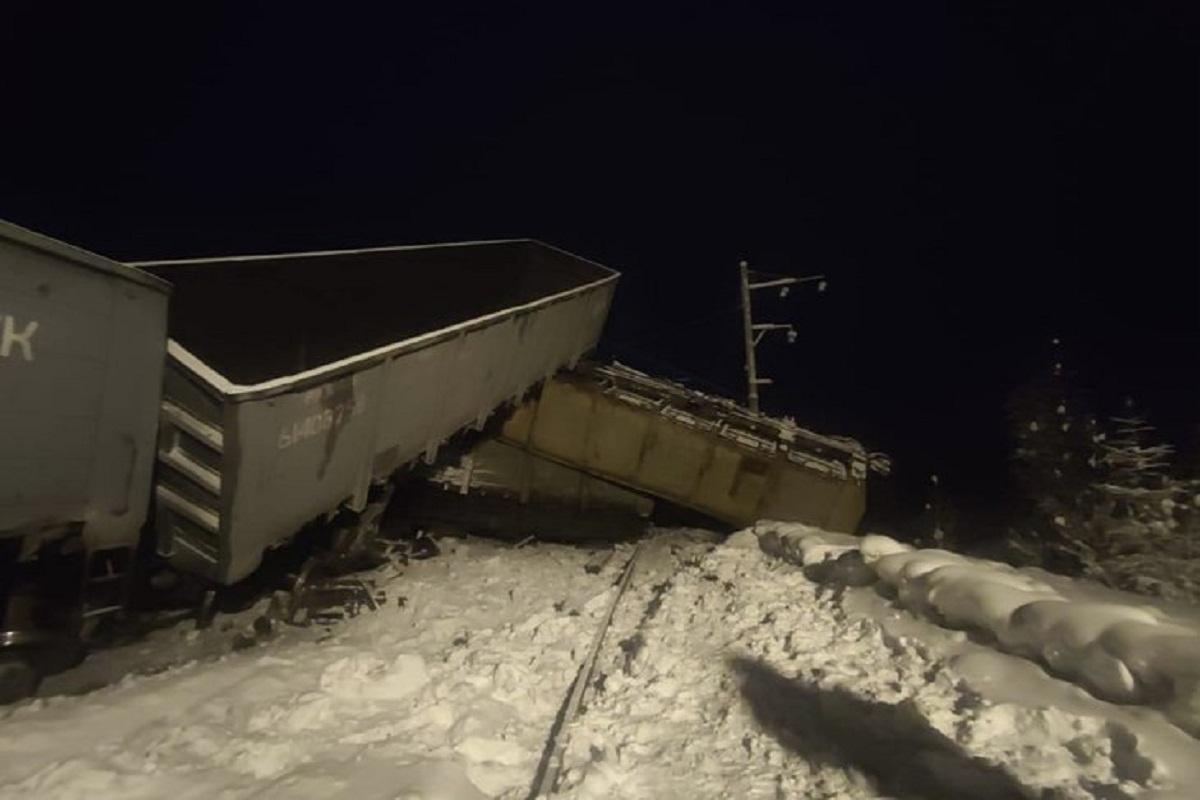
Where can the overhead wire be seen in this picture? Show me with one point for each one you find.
(633, 343)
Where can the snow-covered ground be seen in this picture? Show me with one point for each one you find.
(752, 681)
(449, 695)
(726, 672)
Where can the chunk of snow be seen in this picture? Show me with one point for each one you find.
(744, 538)
(803, 544)
(816, 552)
(897, 568)
(499, 751)
(874, 547)
(969, 595)
(1057, 630)
(365, 675)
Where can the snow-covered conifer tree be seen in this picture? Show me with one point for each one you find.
(1138, 498)
(1054, 450)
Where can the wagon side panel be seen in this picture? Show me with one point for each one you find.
(295, 457)
(807, 496)
(299, 455)
(414, 414)
(81, 353)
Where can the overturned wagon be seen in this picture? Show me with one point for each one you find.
(697, 451)
(294, 382)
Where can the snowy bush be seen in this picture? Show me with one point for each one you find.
(1103, 502)
(1137, 499)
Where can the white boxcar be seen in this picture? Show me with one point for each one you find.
(82, 344)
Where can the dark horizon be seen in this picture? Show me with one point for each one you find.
(973, 182)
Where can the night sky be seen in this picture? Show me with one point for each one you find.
(973, 181)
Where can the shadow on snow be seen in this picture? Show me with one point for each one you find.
(893, 745)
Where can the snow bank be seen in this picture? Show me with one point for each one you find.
(447, 692)
(802, 544)
(748, 681)
(1121, 652)
(874, 547)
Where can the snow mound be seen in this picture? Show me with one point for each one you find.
(802, 544)
(1122, 652)
(875, 547)
(785, 692)
(899, 568)
(965, 595)
(1119, 652)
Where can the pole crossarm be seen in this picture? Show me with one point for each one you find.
(778, 282)
(785, 282)
(753, 333)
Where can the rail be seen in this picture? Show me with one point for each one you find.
(551, 764)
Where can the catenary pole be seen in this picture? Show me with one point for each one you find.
(753, 333)
(748, 325)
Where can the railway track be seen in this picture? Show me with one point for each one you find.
(617, 638)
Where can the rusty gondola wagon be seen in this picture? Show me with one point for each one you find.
(604, 445)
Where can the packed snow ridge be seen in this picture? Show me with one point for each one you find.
(1119, 651)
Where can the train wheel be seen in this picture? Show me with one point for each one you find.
(18, 679)
(206, 612)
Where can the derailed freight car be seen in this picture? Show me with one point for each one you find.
(82, 342)
(292, 385)
(701, 452)
(295, 382)
(502, 490)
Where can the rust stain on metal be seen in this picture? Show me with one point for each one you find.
(340, 403)
(123, 507)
